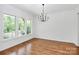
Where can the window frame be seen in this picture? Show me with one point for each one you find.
(3, 26)
(16, 29)
(31, 27)
(24, 26)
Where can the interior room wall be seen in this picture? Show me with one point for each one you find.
(61, 26)
(9, 9)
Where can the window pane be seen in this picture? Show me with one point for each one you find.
(21, 28)
(9, 26)
(29, 26)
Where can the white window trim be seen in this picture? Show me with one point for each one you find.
(16, 31)
(1, 27)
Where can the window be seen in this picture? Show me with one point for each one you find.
(9, 26)
(10, 30)
(21, 27)
(29, 26)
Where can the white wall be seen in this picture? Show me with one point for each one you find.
(77, 11)
(61, 26)
(8, 9)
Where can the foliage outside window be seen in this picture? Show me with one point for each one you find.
(29, 26)
(21, 27)
(9, 26)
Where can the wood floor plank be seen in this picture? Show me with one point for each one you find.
(38, 46)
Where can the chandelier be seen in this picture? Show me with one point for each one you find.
(43, 16)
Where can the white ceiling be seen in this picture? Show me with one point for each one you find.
(50, 8)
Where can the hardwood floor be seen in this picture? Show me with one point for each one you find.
(38, 46)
